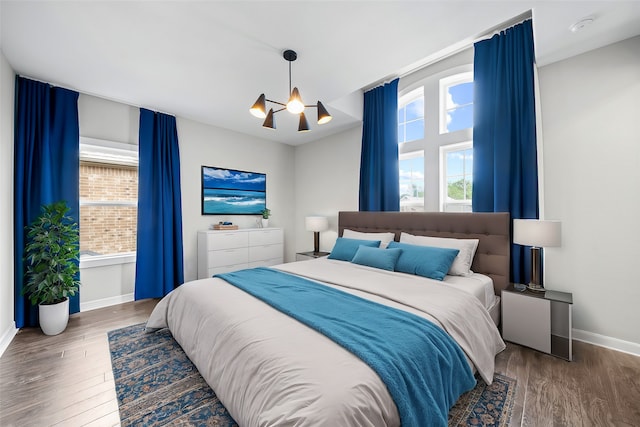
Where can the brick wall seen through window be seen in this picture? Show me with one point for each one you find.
(108, 208)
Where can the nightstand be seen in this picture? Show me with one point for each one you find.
(540, 320)
(304, 256)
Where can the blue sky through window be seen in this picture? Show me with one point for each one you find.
(459, 106)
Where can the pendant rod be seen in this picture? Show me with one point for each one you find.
(289, 78)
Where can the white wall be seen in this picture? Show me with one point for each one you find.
(591, 129)
(327, 181)
(103, 119)
(202, 144)
(7, 324)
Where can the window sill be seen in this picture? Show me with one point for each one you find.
(106, 260)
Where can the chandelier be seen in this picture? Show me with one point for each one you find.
(294, 105)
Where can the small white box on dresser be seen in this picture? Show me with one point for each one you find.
(221, 251)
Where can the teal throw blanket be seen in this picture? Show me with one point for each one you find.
(423, 368)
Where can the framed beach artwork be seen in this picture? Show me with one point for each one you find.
(233, 192)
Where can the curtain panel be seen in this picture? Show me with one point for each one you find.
(505, 164)
(159, 267)
(379, 180)
(46, 170)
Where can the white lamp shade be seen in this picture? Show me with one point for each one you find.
(538, 233)
(316, 223)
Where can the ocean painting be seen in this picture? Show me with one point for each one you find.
(233, 192)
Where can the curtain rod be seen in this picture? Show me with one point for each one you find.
(452, 50)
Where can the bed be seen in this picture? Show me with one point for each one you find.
(269, 369)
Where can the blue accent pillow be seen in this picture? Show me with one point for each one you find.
(345, 249)
(384, 259)
(426, 261)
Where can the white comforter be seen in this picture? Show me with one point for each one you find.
(268, 369)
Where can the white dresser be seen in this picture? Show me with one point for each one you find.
(221, 251)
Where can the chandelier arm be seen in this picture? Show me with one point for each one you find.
(276, 102)
(282, 109)
(308, 106)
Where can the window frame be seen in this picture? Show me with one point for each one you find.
(411, 155)
(428, 80)
(444, 187)
(118, 154)
(404, 100)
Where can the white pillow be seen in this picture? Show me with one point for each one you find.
(384, 238)
(462, 263)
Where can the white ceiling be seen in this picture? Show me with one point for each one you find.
(209, 61)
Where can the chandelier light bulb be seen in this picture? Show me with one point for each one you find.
(323, 114)
(295, 104)
(258, 109)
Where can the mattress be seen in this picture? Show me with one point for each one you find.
(269, 369)
(478, 285)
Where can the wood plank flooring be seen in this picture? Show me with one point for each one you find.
(66, 380)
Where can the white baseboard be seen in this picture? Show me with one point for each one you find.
(105, 302)
(608, 342)
(7, 337)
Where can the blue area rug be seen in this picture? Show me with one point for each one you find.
(157, 385)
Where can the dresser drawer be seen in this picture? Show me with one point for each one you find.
(226, 269)
(227, 240)
(225, 257)
(223, 251)
(266, 262)
(258, 253)
(265, 237)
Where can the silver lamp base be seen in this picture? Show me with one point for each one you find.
(536, 271)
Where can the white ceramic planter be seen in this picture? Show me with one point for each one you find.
(265, 222)
(54, 317)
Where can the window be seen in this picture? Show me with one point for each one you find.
(456, 102)
(411, 116)
(412, 182)
(435, 150)
(456, 180)
(108, 198)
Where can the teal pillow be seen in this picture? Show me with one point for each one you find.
(345, 249)
(384, 259)
(426, 261)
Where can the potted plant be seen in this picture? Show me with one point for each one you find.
(266, 213)
(51, 254)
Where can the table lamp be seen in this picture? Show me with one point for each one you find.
(537, 234)
(316, 224)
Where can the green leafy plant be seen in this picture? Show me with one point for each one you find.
(266, 213)
(51, 254)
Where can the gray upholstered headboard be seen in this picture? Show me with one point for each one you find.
(492, 229)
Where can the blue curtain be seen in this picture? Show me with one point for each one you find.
(159, 267)
(379, 180)
(505, 164)
(46, 170)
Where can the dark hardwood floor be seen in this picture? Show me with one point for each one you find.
(66, 380)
